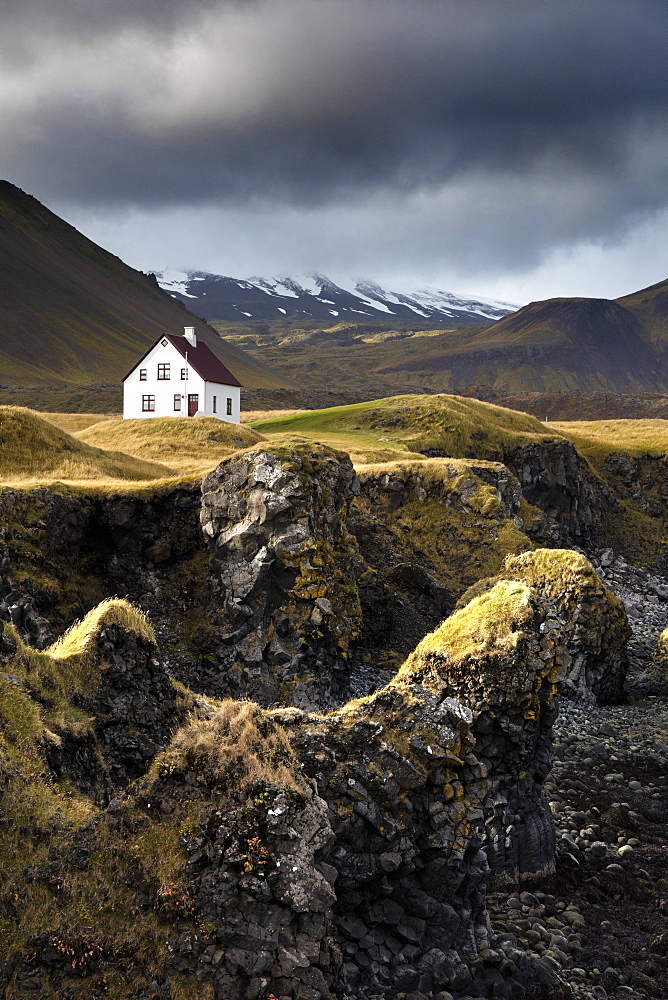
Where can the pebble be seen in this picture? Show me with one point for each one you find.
(614, 743)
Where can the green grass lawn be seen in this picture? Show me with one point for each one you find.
(387, 430)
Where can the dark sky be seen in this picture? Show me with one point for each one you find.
(517, 149)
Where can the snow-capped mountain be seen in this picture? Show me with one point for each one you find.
(315, 297)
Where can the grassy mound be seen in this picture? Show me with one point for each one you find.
(386, 430)
(73, 422)
(34, 450)
(191, 445)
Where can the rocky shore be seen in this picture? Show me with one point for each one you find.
(601, 919)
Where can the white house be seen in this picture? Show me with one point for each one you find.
(179, 377)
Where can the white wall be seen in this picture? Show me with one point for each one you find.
(222, 394)
(164, 390)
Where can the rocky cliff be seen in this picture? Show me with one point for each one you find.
(293, 854)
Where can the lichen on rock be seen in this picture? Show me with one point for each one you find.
(284, 568)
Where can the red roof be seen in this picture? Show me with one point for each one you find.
(201, 359)
(204, 361)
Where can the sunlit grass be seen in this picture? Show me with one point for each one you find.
(399, 427)
(189, 445)
(252, 416)
(597, 438)
(72, 423)
(34, 450)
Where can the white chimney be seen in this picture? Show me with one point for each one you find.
(189, 334)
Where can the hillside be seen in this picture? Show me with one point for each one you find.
(73, 314)
(556, 346)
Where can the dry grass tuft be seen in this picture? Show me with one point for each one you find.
(240, 746)
(80, 639)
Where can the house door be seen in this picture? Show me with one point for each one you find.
(193, 403)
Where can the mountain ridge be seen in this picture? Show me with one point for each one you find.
(314, 296)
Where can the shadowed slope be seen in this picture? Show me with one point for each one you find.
(72, 313)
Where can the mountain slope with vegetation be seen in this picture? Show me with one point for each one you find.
(73, 314)
(556, 346)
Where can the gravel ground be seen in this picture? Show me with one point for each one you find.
(601, 918)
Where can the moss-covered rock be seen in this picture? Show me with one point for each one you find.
(107, 705)
(596, 662)
(661, 657)
(305, 855)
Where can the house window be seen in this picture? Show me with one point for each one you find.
(177, 401)
(229, 407)
(214, 404)
(184, 374)
(148, 404)
(163, 373)
(142, 375)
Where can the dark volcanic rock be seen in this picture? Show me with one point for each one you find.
(284, 568)
(363, 865)
(554, 478)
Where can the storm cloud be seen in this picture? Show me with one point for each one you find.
(509, 128)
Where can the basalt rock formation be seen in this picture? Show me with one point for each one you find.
(285, 569)
(428, 530)
(109, 702)
(18, 607)
(595, 665)
(554, 478)
(289, 853)
(320, 575)
(363, 863)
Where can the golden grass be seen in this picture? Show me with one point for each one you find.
(33, 450)
(81, 638)
(392, 429)
(240, 745)
(252, 416)
(190, 445)
(72, 423)
(550, 569)
(597, 438)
